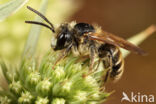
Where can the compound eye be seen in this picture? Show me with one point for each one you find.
(60, 42)
(63, 40)
(64, 37)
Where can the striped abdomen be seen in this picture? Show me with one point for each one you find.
(112, 60)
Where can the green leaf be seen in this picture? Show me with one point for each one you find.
(4, 70)
(34, 34)
(139, 38)
(10, 7)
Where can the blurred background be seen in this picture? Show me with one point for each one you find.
(122, 17)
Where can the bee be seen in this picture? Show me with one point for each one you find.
(83, 39)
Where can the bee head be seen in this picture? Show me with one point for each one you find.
(81, 28)
(63, 38)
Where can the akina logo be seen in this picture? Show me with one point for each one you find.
(137, 97)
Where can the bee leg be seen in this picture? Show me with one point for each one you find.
(106, 76)
(65, 52)
(98, 64)
(107, 61)
(92, 57)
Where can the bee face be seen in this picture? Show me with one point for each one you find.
(64, 37)
(66, 33)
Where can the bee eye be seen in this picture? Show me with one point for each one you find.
(63, 39)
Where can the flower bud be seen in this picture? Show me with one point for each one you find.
(80, 96)
(58, 74)
(58, 101)
(25, 70)
(16, 88)
(90, 82)
(26, 98)
(42, 101)
(62, 89)
(5, 100)
(33, 79)
(43, 88)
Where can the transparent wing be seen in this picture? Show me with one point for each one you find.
(116, 41)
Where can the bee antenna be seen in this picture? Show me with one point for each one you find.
(40, 23)
(43, 17)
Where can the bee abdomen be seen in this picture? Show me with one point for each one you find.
(117, 65)
(112, 60)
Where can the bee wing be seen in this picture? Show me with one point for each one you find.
(116, 41)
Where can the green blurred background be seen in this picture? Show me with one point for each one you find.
(122, 17)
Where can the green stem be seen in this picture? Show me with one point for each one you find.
(139, 38)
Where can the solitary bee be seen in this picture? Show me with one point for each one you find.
(83, 39)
